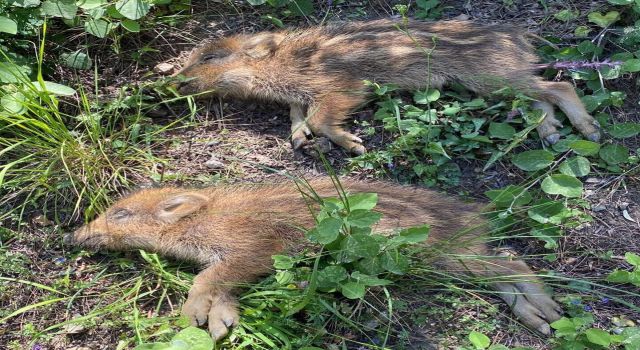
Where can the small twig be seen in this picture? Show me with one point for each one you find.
(579, 64)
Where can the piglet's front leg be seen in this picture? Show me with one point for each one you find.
(328, 115)
(299, 128)
(210, 300)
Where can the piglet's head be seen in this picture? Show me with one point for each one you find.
(226, 66)
(142, 220)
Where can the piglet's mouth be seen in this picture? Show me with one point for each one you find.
(68, 238)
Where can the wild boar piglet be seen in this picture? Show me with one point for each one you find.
(232, 231)
(319, 71)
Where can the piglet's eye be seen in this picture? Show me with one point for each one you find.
(120, 214)
(214, 56)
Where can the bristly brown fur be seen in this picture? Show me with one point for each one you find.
(233, 231)
(319, 71)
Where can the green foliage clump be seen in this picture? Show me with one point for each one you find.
(190, 338)
(60, 156)
(576, 331)
(621, 276)
(285, 9)
(21, 21)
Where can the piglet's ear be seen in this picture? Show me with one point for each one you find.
(179, 206)
(262, 45)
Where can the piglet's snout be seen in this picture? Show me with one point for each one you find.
(72, 238)
(68, 238)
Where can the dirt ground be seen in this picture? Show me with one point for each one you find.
(237, 141)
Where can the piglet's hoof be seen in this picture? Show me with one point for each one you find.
(222, 316)
(219, 312)
(196, 308)
(552, 139)
(317, 146)
(531, 305)
(358, 150)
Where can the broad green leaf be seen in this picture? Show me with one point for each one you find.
(113, 13)
(54, 88)
(503, 347)
(426, 5)
(436, 148)
(566, 15)
(533, 160)
(576, 166)
(585, 148)
(25, 3)
(371, 266)
(369, 280)
(632, 65)
(131, 26)
(14, 103)
(582, 31)
(326, 231)
(394, 262)
(619, 276)
(416, 234)
(501, 131)
(610, 72)
(284, 277)
(562, 145)
(604, 20)
(363, 218)
(624, 130)
(96, 13)
(330, 276)
(479, 340)
(275, 20)
(563, 324)
(592, 102)
(353, 290)
(598, 336)
(7, 25)
(427, 96)
(10, 72)
(364, 201)
(562, 184)
(621, 2)
(282, 262)
(156, 346)
(133, 9)
(550, 241)
(195, 338)
(90, 4)
(631, 335)
(546, 211)
(614, 154)
(77, 60)
(359, 246)
(586, 47)
(633, 259)
(476, 103)
(98, 27)
(509, 196)
(66, 9)
(301, 7)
